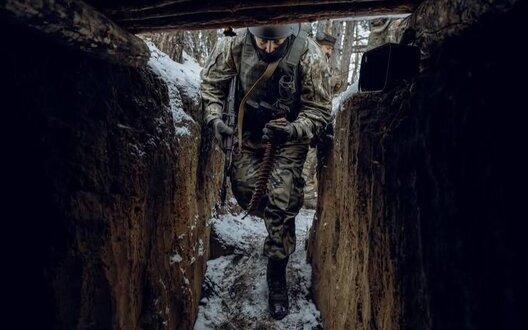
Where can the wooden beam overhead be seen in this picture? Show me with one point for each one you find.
(184, 7)
(79, 26)
(101, 31)
(190, 15)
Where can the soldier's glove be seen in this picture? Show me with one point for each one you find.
(278, 131)
(220, 129)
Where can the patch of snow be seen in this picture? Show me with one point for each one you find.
(235, 286)
(183, 130)
(175, 258)
(241, 233)
(180, 79)
(200, 247)
(190, 63)
(342, 97)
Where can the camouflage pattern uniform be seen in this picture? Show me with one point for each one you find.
(310, 166)
(309, 176)
(307, 108)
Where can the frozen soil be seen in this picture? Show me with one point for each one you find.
(235, 292)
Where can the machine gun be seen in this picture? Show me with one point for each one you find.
(227, 141)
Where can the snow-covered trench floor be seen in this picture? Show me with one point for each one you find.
(235, 293)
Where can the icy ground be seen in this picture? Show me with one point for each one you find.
(235, 290)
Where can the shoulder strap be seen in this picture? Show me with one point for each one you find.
(242, 108)
(297, 49)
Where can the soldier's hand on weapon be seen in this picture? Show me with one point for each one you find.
(221, 129)
(278, 131)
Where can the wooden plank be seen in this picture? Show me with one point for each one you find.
(184, 7)
(255, 13)
(77, 25)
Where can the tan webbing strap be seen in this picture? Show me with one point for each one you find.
(242, 108)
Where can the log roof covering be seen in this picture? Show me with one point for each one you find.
(147, 16)
(102, 28)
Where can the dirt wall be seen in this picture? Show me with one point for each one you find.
(420, 221)
(105, 203)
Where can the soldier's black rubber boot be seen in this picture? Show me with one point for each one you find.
(278, 290)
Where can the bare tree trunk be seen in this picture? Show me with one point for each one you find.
(348, 41)
(211, 37)
(188, 44)
(197, 44)
(335, 60)
(171, 43)
(360, 45)
(324, 26)
(357, 64)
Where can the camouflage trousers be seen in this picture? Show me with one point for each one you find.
(309, 176)
(284, 196)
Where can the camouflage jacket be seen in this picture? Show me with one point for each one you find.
(314, 106)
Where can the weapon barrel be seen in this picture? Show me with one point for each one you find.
(227, 142)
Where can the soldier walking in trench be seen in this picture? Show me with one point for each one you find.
(282, 99)
(326, 42)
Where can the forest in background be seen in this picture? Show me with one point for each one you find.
(354, 37)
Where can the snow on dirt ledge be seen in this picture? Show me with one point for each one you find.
(180, 79)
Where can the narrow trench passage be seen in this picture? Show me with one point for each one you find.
(235, 290)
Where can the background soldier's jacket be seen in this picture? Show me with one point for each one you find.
(313, 97)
